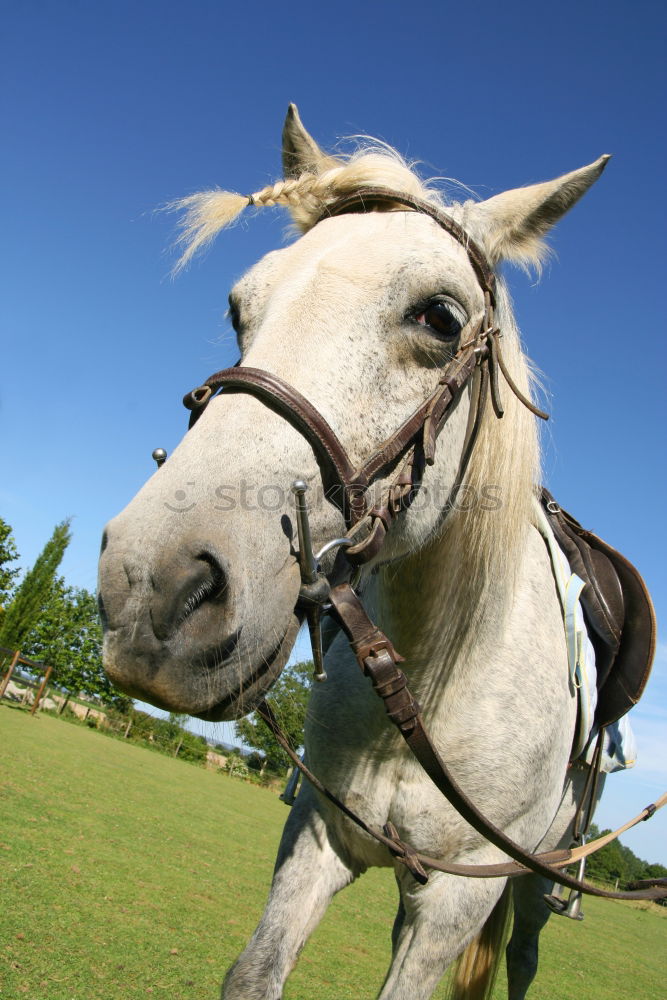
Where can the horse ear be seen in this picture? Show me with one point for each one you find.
(301, 154)
(512, 224)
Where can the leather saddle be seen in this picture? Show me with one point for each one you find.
(618, 613)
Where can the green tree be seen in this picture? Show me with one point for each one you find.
(68, 637)
(236, 765)
(193, 747)
(177, 731)
(615, 862)
(170, 736)
(8, 554)
(654, 870)
(288, 699)
(143, 727)
(31, 595)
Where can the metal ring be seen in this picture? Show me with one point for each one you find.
(333, 544)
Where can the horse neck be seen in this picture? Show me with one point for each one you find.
(440, 613)
(446, 605)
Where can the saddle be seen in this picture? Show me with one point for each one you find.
(618, 612)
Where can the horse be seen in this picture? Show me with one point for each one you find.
(360, 315)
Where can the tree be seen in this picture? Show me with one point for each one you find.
(170, 736)
(289, 698)
(34, 591)
(143, 727)
(68, 637)
(8, 554)
(177, 723)
(193, 747)
(236, 766)
(616, 862)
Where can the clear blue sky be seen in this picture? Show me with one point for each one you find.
(111, 110)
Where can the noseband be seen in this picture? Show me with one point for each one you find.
(410, 448)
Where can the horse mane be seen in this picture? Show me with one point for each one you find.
(473, 563)
(483, 547)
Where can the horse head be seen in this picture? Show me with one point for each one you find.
(199, 574)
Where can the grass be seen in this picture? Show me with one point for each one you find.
(127, 874)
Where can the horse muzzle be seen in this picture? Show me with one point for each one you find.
(180, 631)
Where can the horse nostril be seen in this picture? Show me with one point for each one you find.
(188, 589)
(218, 575)
(207, 583)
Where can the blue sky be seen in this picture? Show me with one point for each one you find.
(112, 110)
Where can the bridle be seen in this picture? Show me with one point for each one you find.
(345, 484)
(408, 450)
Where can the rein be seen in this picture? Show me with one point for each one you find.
(411, 447)
(416, 862)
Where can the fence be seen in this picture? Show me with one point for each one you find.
(15, 660)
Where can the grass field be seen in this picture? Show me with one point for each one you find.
(124, 873)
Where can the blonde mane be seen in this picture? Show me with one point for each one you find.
(482, 544)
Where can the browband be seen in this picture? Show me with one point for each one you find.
(366, 198)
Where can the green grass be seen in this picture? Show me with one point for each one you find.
(124, 874)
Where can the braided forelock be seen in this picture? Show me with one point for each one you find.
(203, 215)
(294, 193)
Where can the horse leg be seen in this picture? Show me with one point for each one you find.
(307, 875)
(530, 915)
(399, 920)
(438, 921)
(530, 911)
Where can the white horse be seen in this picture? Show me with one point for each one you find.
(199, 576)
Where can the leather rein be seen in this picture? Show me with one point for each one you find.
(479, 360)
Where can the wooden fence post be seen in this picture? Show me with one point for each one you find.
(7, 677)
(38, 696)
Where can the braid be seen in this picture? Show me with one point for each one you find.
(306, 193)
(203, 215)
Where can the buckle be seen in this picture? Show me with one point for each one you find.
(372, 649)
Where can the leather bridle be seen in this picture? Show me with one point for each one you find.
(345, 484)
(411, 447)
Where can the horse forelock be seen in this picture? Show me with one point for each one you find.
(372, 164)
(204, 214)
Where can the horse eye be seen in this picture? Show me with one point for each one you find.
(441, 319)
